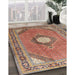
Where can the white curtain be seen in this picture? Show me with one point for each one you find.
(27, 10)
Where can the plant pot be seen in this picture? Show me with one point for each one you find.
(56, 19)
(49, 21)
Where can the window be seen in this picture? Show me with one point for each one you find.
(27, 10)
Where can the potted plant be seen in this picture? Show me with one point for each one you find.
(57, 6)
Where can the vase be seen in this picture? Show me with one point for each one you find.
(49, 21)
(56, 19)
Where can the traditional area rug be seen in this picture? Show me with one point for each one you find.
(38, 48)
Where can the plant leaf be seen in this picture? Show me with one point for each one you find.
(52, 5)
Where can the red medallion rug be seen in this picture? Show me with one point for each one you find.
(38, 48)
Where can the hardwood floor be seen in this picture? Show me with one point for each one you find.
(15, 25)
(12, 65)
